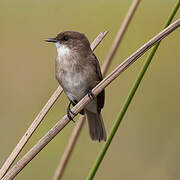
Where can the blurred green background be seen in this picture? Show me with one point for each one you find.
(147, 144)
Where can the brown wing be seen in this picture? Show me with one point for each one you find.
(101, 96)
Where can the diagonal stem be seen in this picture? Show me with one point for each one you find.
(127, 103)
(40, 117)
(30, 131)
(76, 109)
(75, 134)
(120, 35)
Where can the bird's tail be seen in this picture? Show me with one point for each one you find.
(96, 126)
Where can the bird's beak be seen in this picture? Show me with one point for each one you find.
(54, 40)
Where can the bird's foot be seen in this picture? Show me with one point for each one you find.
(69, 112)
(91, 95)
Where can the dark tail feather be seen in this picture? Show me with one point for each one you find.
(96, 126)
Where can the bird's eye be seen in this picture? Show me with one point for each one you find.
(65, 38)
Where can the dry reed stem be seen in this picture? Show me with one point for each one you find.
(119, 35)
(76, 109)
(65, 157)
(30, 131)
(75, 134)
(40, 117)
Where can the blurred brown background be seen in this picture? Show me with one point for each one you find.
(147, 144)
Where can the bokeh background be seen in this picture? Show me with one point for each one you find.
(147, 144)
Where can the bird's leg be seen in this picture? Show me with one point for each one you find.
(69, 112)
(74, 102)
(90, 94)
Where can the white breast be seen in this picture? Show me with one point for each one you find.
(76, 86)
(62, 49)
(74, 83)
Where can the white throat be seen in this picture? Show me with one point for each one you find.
(62, 49)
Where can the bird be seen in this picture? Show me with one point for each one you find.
(78, 71)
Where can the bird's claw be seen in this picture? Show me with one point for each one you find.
(69, 112)
(91, 95)
(69, 116)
